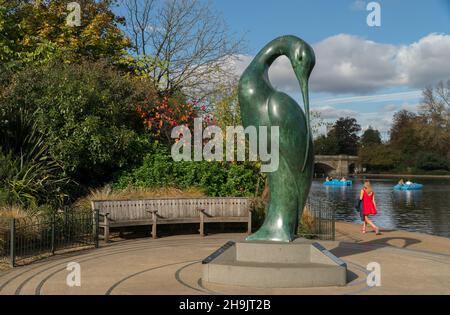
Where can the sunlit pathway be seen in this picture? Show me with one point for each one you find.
(172, 265)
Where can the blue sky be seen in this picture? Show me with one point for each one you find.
(403, 21)
(364, 72)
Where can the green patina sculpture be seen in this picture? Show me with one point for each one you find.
(262, 105)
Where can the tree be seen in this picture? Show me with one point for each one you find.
(405, 136)
(435, 103)
(345, 133)
(379, 157)
(370, 137)
(225, 106)
(435, 118)
(423, 139)
(317, 122)
(430, 161)
(87, 113)
(183, 45)
(33, 32)
(161, 116)
(324, 145)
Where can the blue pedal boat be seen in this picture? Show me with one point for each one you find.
(338, 183)
(413, 186)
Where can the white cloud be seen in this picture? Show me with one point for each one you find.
(328, 112)
(369, 98)
(425, 62)
(347, 64)
(380, 120)
(390, 108)
(410, 107)
(351, 64)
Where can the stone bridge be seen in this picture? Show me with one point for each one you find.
(336, 165)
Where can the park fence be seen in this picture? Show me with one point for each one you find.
(318, 221)
(25, 239)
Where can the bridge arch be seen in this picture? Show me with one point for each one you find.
(323, 169)
(336, 165)
(352, 168)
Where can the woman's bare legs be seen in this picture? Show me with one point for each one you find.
(368, 221)
(363, 227)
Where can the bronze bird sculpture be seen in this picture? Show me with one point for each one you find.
(262, 105)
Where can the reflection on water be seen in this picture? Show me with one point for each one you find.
(426, 211)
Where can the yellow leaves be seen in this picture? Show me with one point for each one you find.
(26, 41)
(61, 39)
(98, 36)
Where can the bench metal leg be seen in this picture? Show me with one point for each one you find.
(202, 224)
(249, 224)
(154, 236)
(106, 229)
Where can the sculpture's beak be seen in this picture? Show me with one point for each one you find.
(305, 94)
(304, 87)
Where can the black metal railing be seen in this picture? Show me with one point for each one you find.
(4, 242)
(22, 239)
(318, 221)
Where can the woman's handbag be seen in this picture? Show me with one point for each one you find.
(359, 208)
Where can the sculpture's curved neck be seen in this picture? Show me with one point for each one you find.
(273, 50)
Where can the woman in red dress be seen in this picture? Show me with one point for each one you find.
(367, 196)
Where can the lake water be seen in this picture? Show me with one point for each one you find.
(426, 211)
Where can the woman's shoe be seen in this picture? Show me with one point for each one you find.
(377, 231)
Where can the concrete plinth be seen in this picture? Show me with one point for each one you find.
(299, 264)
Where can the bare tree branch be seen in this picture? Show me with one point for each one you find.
(188, 41)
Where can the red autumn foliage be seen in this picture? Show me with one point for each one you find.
(163, 115)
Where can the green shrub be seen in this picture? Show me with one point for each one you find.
(86, 111)
(258, 207)
(430, 161)
(215, 178)
(32, 178)
(380, 158)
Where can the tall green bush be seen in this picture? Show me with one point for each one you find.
(430, 161)
(32, 178)
(86, 112)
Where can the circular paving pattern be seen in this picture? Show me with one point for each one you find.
(172, 265)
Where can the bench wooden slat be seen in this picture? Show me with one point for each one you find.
(124, 213)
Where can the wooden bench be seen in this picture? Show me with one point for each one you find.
(122, 213)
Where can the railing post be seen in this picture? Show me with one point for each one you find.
(12, 245)
(53, 232)
(202, 222)
(320, 220)
(66, 222)
(155, 222)
(333, 222)
(106, 227)
(249, 223)
(96, 227)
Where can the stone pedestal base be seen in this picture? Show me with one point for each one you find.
(301, 263)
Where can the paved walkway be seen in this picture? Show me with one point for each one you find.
(411, 263)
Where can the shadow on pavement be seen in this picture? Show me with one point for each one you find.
(350, 248)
